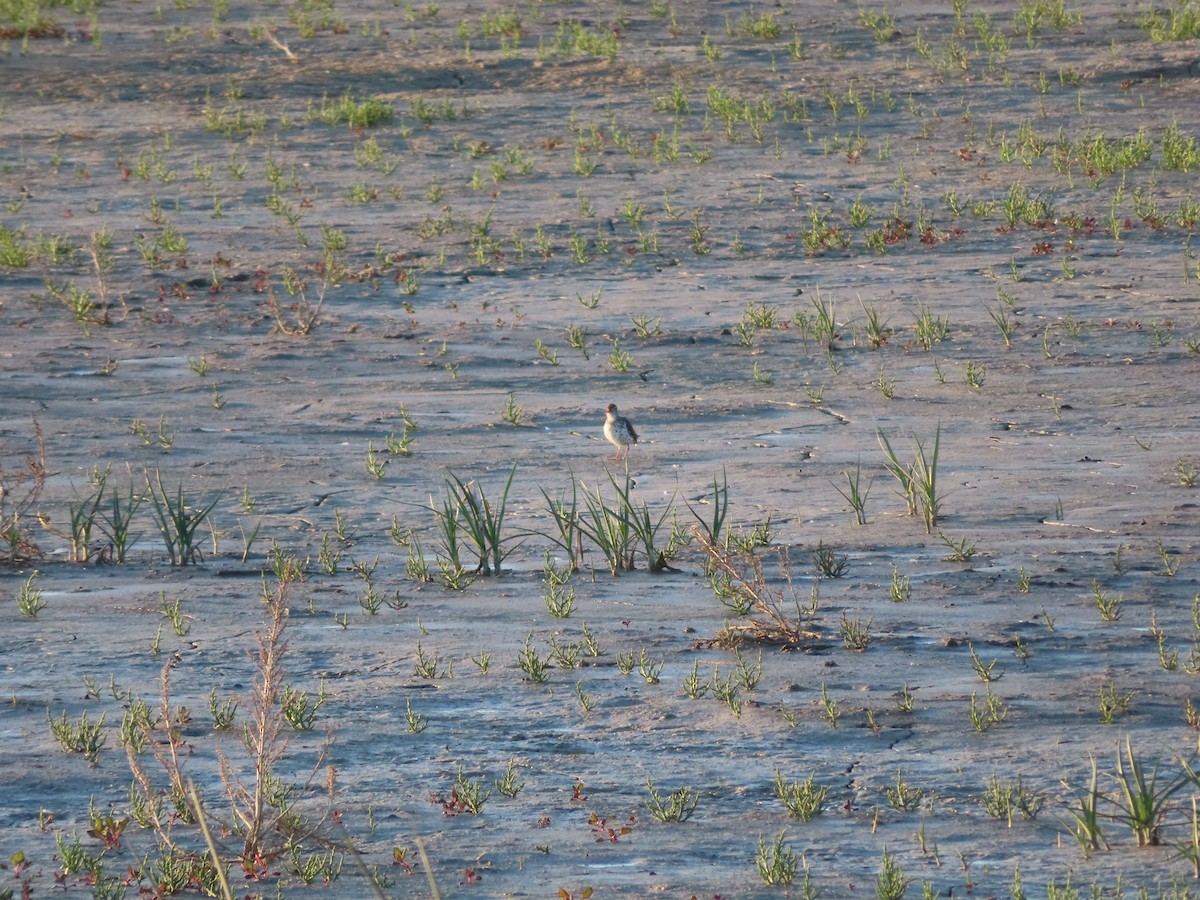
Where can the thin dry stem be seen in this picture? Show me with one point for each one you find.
(167, 754)
(102, 283)
(305, 314)
(262, 735)
(198, 809)
(267, 827)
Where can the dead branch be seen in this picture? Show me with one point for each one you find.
(779, 616)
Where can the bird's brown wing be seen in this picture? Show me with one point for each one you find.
(632, 433)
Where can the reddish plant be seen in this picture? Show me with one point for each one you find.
(602, 832)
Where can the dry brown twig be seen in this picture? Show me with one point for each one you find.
(779, 617)
(292, 57)
(15, 546)
(101, 264)
(304, 318)
(300, 317)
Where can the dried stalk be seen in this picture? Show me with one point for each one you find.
(15, 546)
(292, 57)
(259, 811)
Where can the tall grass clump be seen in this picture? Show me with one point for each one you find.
(481, 520)
(917, 480)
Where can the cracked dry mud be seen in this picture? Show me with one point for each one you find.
(1063, 466)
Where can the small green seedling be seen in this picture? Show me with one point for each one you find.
(533, 664)
(468, 795)
(1170, 562)
(960, 550)
(428, 665)
(566, 655)
(298, 709)
(29, 597)
(902, 795)
(86, 737)
(513, 414)
(855, 493)
(375, 464)
(172, 612)
(777, 863)
(986, 672)
(694, 686)
(508, 784)
(855, 633)
(830, 706)
(992, 711)
(648, 669)
(1113, 702)
(1108, 606)
(415, 721)
(828, 563)
(803, 799)
(586, 700)
(678, 807)
(891, 883)
(726, 690)
(1002, 799)
(223, 711)
(1023, 581)
(748, 674)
